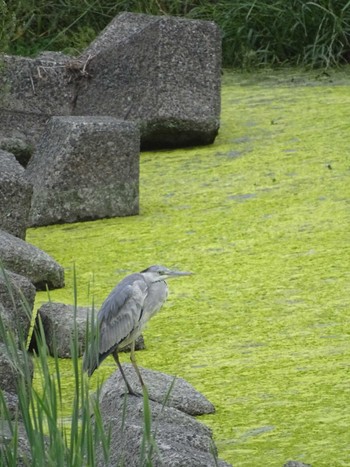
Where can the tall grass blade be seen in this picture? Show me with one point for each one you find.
(51, 441)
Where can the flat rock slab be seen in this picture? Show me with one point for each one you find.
(27, 260)
(163, 72)
(15, 196)
(181, 440)
(85, 168)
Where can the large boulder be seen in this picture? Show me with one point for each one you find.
(15, 196)
(17, 295)
(181, 440)
(182, 395)
(27, 260)
(60, 322)
(85, 168)
(163, 72)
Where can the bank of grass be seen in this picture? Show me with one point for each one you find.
(255, 33)
(261, 217)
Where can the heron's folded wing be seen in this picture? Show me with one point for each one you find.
(120, 313)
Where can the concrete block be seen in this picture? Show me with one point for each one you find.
(15, 196)
(85, 168)
(162, 72)
(32, 90)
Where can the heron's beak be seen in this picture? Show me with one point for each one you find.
(179, 273)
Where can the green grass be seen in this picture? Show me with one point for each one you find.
(52, 439)
(261, 217)
(255, 33)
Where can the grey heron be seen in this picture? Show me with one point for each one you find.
(124, 314)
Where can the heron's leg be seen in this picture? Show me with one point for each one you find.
(134, 364)
(116, 358)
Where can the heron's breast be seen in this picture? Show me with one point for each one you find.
(157, 294)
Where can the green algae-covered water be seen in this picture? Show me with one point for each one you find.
(262, 219)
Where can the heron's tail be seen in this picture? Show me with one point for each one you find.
(91, 358)
(90, 361)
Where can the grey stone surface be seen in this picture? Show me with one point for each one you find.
(17, 295)
(163, 72)
(159, 71)
(296, 464)
(31, 90)
(20, 149)
(23, 453)
(59, 324)
(59, 321)
(15, 196)
(12, 404)
(183, 396)
(85, 168)
(27, 260)
(11, 367)
(35, 85)
(181, 440)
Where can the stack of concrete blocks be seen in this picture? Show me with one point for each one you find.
(161, 72)
(158, 81)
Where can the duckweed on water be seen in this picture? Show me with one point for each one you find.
(262, 219)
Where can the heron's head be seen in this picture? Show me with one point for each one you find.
(160, 273)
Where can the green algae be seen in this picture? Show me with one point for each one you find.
(262, 219)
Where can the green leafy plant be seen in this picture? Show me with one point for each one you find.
(51, 439)
(255, 33)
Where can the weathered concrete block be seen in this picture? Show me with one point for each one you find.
(12, 405)
(17, 295)
(15, 196)
(17, 440)
(85, 168)
(59, 323)
(31, 90)
(16, 146)
(181, 439)
(29, 261)
(11, 367)
(163, 72)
